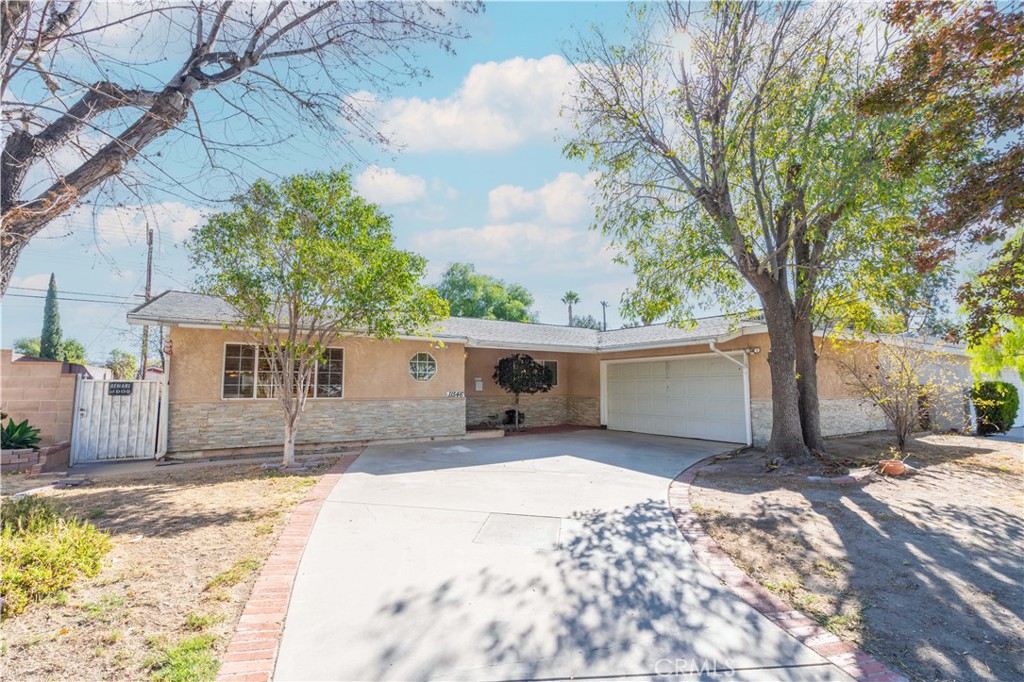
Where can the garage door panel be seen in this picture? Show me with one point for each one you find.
(690, 398)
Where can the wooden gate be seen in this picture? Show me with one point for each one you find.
(115, 420)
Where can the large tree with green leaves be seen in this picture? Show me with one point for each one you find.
(732, 160)
(960, 74)
(122, 364)
(472, 294)
(303, 262)
(73, 350)
(51, 341)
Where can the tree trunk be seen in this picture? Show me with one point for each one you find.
(787, 437)
(291, 423)
(807, 384)
(515, 418)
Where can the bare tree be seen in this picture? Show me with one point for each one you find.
(76, 80)
(911, 382)
(732, 162)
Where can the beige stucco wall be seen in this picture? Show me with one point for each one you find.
(39, 391)
(381, 399)
(374, 369)
(480, 362)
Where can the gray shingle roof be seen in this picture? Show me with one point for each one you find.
(186, 308)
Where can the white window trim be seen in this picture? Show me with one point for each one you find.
(409, 367)
(255, 378)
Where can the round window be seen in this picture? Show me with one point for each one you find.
(422, 367)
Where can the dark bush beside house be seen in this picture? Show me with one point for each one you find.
(995, 403)
(517, 374)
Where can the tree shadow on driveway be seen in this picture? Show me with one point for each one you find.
(621, 596)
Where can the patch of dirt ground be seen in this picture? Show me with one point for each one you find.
(923, 571)
(188, 542)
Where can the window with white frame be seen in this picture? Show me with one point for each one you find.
(553, 366)
(248, 373)
(423, 367)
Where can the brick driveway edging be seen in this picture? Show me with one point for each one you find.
(252, 651)
(843, 655)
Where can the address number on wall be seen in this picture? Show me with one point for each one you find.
(455, 394)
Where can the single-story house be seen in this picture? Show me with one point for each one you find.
(710, 381)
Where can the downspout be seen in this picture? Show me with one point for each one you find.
(746, 386)
(165, 408)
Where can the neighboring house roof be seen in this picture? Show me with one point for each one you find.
(180, 308)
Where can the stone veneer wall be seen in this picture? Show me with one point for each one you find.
(234, 425)
(584, 410)
(540, 409)
(839, 416)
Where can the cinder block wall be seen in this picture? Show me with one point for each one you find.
(40, 392)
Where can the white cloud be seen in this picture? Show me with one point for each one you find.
(499, 105)
(172, 221)
(388, 187)
(566, 200)
(40, 280)
(514, 250)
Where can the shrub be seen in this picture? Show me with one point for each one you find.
(16, 436)
(42, 552)
(996, 404)
(191, 660)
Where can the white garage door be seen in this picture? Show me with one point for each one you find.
(691, 398)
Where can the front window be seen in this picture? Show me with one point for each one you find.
(265, 377)
(422, 367)
(239, 370)
(246, 377)
(553, 366)
(330, 373)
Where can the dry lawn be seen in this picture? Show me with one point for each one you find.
(187, 544)
(923, 571)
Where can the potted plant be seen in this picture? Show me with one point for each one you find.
(895, 465)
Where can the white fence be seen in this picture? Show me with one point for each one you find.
(115, 420)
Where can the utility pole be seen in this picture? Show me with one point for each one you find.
(604, 315)
(149, 292)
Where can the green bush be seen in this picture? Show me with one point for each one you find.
(995, 403)
(43, 552)
(15, 436)
(190, 660)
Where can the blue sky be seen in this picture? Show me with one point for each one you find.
(481, 179)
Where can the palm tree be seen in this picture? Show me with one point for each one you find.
(570, 298)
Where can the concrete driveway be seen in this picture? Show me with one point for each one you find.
(544, 557)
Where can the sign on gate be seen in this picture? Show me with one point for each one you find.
(119, 388)
(115, 420)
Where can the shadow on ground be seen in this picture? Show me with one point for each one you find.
(932, 563)
(151, 506)
(624, 599)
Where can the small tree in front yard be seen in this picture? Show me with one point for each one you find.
(519, 373)
(911, 382)
(303, 262)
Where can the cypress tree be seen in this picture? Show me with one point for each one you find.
(51, 345)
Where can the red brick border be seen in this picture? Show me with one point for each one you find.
(252, 651)
(843, 655)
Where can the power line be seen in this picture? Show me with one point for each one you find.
(79, 300)
(78, 293)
